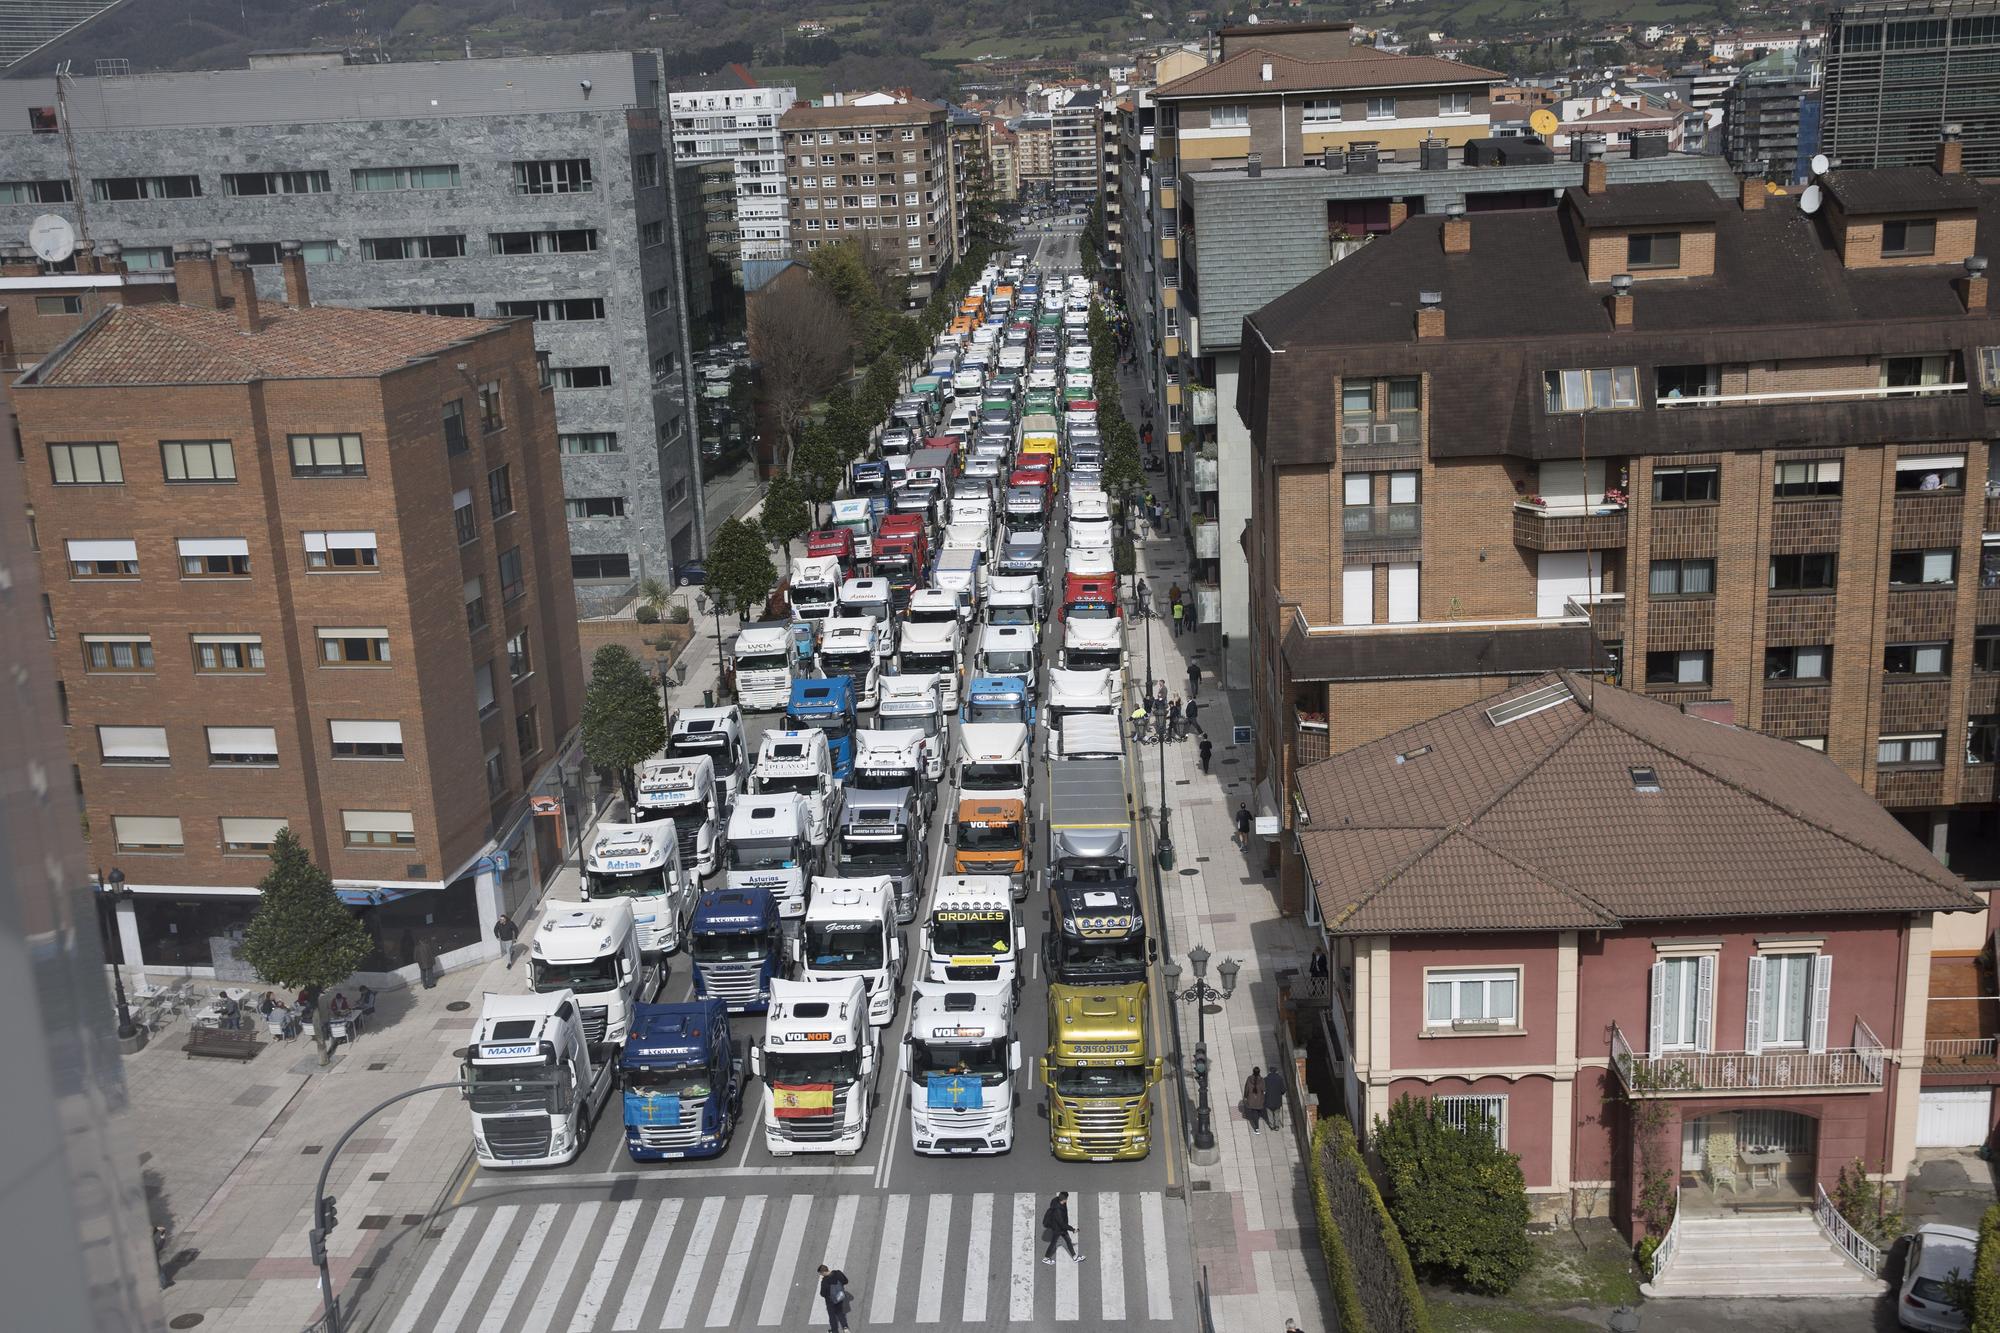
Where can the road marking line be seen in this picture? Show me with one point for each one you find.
(785, 1263)
(602, 1273)
(736, 1262)
(979, 1259)
(476, 1265)
(561, 1269)
(470, 1174)
(756, 1120)
(1159, 1288)
(887, 1166)
(693, 1256)
(1021, 1295)
(889, 1259)
(434, 1271)
(652, 1257)
(1068, 1302)
(501, 1305)
(1111, 1256)
(843, 1231)
(937, 1235)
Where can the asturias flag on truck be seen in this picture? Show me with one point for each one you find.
(652, 1108)
(954, 1092)
(801, 1099)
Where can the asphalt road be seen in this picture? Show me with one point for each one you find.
(734, 1242)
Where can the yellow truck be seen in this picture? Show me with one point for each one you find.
(1040, 435)
(1098, 1075)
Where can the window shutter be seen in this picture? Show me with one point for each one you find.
(1656, 1020)
(1753, 1013)
(1822, 978)
(1704, 1003)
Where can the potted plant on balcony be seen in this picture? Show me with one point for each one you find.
(1536, 501)
(1614, 499)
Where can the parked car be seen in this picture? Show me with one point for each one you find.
(692, 572)
(1938, 1253)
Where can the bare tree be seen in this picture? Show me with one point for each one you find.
(801, 340)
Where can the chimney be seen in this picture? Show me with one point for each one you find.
(292, 257)
(243, 286)
(1754, 193)
(194, 276)
(1594, 179)
(1620, 302)
(1253, 165)
(1430, 315)
(1972, 287)
(1457, 231)
(111, 257)
(1950, 152)
(86, 257)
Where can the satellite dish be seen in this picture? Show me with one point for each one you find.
(1543, 121)
(52, 237)
(1820, 164)
(1809, 201)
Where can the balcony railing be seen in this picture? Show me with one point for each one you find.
(1390, 525)
(1783, 396)
(1206, 473)
(1207, 540)
(1955, 1053)
(1863, 1253)
(1593, 527)
(1857, 1068)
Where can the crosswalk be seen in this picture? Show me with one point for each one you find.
(953, 1261)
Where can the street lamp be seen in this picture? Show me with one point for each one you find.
(1163, 844)
(112, 891)
(1201, 995)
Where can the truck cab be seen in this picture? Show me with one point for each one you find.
(1087, 736)
(991, 836)
(762, 660)
(847, 651)
(641, 864)
(818, 1063)
(682, 1080)
(930, 649)
(902, 552)
(1097, 934)
(835, 542)
(1024, 509)
(1013, 599)
(769, 849)
(715, 734)
(534, 1082)
(890, 760)
(993, 760)
(683, 794)
(999, 699)
(814, 586)
(937, 606)
(884, 832)
(961, 1056)
(974, 932)
(1098, 1074)
(1024, 553)
(867, 479)
(1073, 692)
(1009, 650)
(961, 570)
(826, 706)
(1089, 524)
(910, 704)
(870, 597)
(591, 950)
(737, 945)
(799, 762)
(850, 931)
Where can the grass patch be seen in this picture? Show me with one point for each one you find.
(1449, 1318)
(1598, 1275)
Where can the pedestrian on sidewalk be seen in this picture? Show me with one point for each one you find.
(1243, 824)
(1194, 680)
(1145, 595)
(1193, 710)
(1207, 748)
(1252, 1104)
(1173, 592)
(508, 934)
(1139, 724)
(1174, 719)
(1274, 1097)
(1159, 698)
(839, 1300)
(1316, 972)
(427, 956)
(1057, 1230)
(232, 1012)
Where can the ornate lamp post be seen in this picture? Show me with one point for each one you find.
(1201, 995)
(110, 892)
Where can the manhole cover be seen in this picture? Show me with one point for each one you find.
(413, 1219)
(185, 1320)
(364, 1272)
(1190, 871)
(378, 1175)
(311, 1149)
(378, 1065)
(1202, 859)
(1203, 1185)
(459, 1006)
(1232, 761)
(375, 1222)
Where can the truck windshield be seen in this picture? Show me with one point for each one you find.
(931, 615)
(835, 725)
(762, 854)
(633, 884)
(846, 661)
(993, 712)
(589, 975)
(1008, 662)
(844, 946)
(762, 662)
(501, 1089)
(989, 836)
(1010, 615)
(731, 946)
(1075, 955)
(812, 594)
(926, 723)
(713, 744)
(805, 784)
(924, 664)
(691, 1080)
(789, 1068)
(986, 1060)
(1127, 1081)
(1090, 659)
(874, 853)
(989, 777)
(963, 933)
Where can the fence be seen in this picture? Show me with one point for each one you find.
(1860, 1251)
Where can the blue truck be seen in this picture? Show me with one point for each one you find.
(998, 699)
(738, 946)
(682, 1081)
(827, 705)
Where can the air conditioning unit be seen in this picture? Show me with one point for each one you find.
(1386, 434)
(1353, 435)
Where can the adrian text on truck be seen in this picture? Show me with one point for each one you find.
(641, 864)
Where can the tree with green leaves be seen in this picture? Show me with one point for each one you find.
(880, 388)
(623, 721)
(301, 935)
(740, 572)
(818, 466)
(1457, 1196)
(786, 516)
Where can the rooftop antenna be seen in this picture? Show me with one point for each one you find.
(63, 77)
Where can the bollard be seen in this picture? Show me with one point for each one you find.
(708, 698)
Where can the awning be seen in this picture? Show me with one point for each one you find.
(85, 551)
(214, 546)
(373, 897)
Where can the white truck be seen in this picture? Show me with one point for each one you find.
(850, 931)
(1091, 640)
(534, 1084)
(818, 1062)
(961, 569)
(974, 532)
(1087, 736)
(714, 733)
(1013, 599)
(993, 760)
(684, 791)
(930, 649)
(799, 762)
(815, 586)
(1089, 525)
(849, 646)
(769, 849)
(640, 864)
(1009, 650)
(870, 597)
(911, 704)
(935, 606)
(1073, 693)
(885, 760)
(974, 932)
(592, 951)
(962, 1058)
(762, 659)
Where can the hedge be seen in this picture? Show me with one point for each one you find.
(1391, 1303)
(1986, 1275)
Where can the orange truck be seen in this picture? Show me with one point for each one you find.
(992, 837)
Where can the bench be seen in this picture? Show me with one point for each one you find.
(222, 1043)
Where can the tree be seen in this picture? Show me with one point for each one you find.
(800, 338)
(786, 517)
(740, 573)
(1690, 49)
(302, 935)
(1457, 1196)
(818, 466)
(623, 722)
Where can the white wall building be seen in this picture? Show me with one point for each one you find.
(740, 124)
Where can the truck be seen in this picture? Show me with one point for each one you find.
(902, 552)
(1040, 434)
(1013, 599)
(1089, 524)
(886, 760)
(1009, 650)
(993, 760)
(640, 864)
(815, 584)
(867, 480)
(870, 597)
(769, 849)
(930, 648)
(1092, 641)
(682, 1082)
(884, 832)
(826, 706)
(534, 1083)
(800, 762)
(591, 950)
(910, 703)
(1098, 1074)
(850, 931)
(717, 735)
(837, 542)
(1024, 509)
(936, 606)
(991, 836)
(847, 651)
(737, 944)
(1023, 554)
(1086, 736)
(1073, 692)
(818, 1063)
(762, 661)
(999, 699)
(974, 932)
(961, 1056)
(961, 570)
(684, 793)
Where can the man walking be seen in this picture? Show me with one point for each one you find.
(1180, 609)
(1274, 1097)
(1194, 680)
(1243, 824)
(1207, 748)
(1193, 711)
(1056, 1228)
(1174, 719)
(833, 1290)
(507, 933)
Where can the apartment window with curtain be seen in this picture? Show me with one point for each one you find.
(1788, 1001)
(1683, 1003)
(1917, 750)
(1682, 578)
(1812, 479)
(1472, 997)
(1920, 568)
(1807, 664)
(1686, 669)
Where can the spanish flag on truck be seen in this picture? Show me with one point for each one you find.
(801, 1099)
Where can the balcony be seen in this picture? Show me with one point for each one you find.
(1606, 611)
(1596, 527)
(1782, 397)
(1856, 1068)
(1310, 738)
(1206, 472)
(1207, 539)
(1962, 1027)
(1381, 525)
(1393, 433)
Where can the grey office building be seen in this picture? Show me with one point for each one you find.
(1899, 71)
(534, 187)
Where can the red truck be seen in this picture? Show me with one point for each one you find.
(836, 542)
(902, 554)
(1095, 591)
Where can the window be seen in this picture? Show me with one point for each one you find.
(496, 776)
(563, 309)
(449, 309)
(138, 258)
(354, 647)
(244, 183)
(1402, 488)
(1788, 1000)
(118, 652)
(1808, 479)
(1686, 485)
(1916, 659)
(567, 175)
(512, 581)
(327, 456)
(1322, 111)
(1613, 388)
(519, 663)
(1455, 104)
(1922, 750)
(581, 377)
(1683, 991)
(616, 565)
(1474, 1114)
(132, 745)
(527, 737)
(588, 442)
(243, 745)
(659, 300)
(214, 557)
(596, 506)
(198, 460)
(1912, 236)
(500, 490)
(147, 833)
(1982, 738)
(455, 441)
(1682, 578)
(113, 188)
(440, 246)
(1802, 664)
(1381, 108)
(1989, 558)
(1356, 489)
(1803, 573)
(444, 177)
(475, 605)
(367, 740)
(103, 559)
(1942, 473)
(1653, 249)
(35, 192)
(1679, 668)
(1911, 568)
(1986, 648)
(482, 689)
(85, 465)
(250, 837)
(379, 828)
(1989, 373)
(59, 305)
(352, 552)
(645, 170)
(1229, 117)
(223, 654)
(652, 234)
(561, 241)
(1455, 999)
(1917, 372)
(491, 414)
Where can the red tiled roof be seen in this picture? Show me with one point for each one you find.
(1244, 73)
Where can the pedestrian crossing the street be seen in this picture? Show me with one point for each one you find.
(948, 1261)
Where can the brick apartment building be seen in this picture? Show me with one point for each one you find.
(1736, 455)
(306, 566)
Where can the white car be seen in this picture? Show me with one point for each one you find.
(1937, 1254)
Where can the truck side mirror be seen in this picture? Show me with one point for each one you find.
(1013, 1055)
(1020, 939)
(1155, 1070)
(1152, 951)
(1048, 1076)
(757, 1061)
(923, 939)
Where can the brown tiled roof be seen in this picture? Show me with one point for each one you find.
(1244, 73)
(181, 344)
(1538, 824)
(804, 115)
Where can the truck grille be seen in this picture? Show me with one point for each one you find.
(594, 1023)
(732, 983)
(818, 1128)
(686, 833)
(971, 972)
(684, 1135)
(517, 1137)
(1099, 1128)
